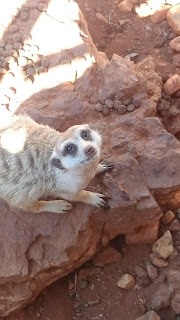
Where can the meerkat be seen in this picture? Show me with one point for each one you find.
(37, 162)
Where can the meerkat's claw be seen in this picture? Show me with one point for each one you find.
(99, 200)
(107, 166)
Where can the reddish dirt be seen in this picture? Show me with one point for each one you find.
(102, 299)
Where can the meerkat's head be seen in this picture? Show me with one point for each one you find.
(78, 146)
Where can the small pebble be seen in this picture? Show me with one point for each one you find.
(109, 103)
(130, 107)
(8, 47)
(30, 71)
(22, 61)
(122, 109)
(127, 101)
(178, 317)
(126, 281)
(140, 271)
(17, 37)
(44, 62)
(117, 104)
(106, 111)
(6, 53)
(98, 107)
(144, 281)
(42, 69)
(17, 45)
(2, 43)
(152, 271)
(13, 28)
(82, 284)
(41, 6)
(24, 15)
(24, 7)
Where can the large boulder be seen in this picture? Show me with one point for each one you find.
(36, 249)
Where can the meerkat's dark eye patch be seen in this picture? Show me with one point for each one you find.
(86, 135)
(70, 149)
(57, 163)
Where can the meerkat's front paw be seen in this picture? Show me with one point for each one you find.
(100, 200)
(104, 166)
(57, 206)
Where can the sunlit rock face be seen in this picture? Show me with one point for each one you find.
(64, 76)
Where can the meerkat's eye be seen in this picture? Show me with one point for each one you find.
(85, 134)
(70, 149)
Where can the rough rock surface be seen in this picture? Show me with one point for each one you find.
(36, 249)
(150, 315)
(173, 18)
(163, 247)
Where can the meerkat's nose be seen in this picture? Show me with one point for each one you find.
(89, 151)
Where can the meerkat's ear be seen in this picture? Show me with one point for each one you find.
(56, 162)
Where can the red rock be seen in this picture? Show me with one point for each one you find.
(106, 255)
(173, 18)
(150, 315)
(160, 14)
(173, 277)
(176, 60)
(175, 225)
(145, 234)
(101, 18)
(125, 6)
(163, 247)
(172, 84)
(175, 44)
(168, 217)
(175, 303)
(161, 298)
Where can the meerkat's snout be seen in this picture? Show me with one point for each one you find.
(89, 151)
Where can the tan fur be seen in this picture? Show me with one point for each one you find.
(27, 173)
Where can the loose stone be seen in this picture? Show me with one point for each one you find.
(109, 103)
(163, 247)
(41, 6)
(8, 47)
(82, 284)
(98, 107)
(24, 7)
(30, 71)
(24, 15)
(17, 45)
(127, 282)
(13, 28)
(17, 37)
(44, 62)
(106, 111)
(130, 107)
(122, 109)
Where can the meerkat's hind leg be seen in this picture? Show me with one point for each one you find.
(56, 206)
(104, 166)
